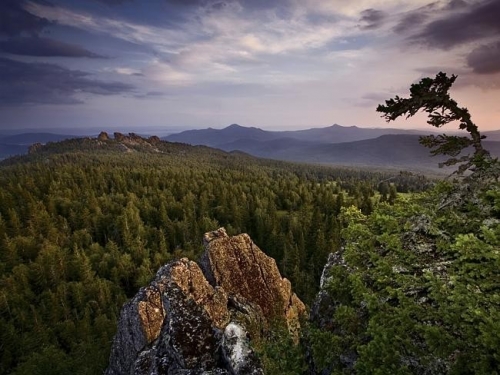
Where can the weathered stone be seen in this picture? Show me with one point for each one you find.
(187, 340)
(119, 137)
(154, 140)
(103, 136)
(324, 307)
(151, 313)
(140, 324)
(183, 324)
(188, 276)
(238, 266)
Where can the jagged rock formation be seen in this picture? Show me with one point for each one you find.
(103, 136)
(241, 268)
(118, 136)
(34, 148)
(154, 140)
(194, 320)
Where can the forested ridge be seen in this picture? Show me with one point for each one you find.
(85, 223)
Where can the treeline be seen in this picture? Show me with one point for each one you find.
(81, 231)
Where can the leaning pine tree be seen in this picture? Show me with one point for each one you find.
(416, 286)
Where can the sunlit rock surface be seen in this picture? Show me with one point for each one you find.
(193, 320)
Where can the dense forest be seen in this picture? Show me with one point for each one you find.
(413, 288)
(85, 223)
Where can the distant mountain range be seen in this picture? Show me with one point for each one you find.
(353, 146)
(233, 133)
(350, 146)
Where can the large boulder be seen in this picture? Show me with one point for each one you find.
(189, 321)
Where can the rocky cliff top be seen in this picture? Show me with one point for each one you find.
(195, 320)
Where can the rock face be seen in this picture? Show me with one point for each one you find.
(103, 136)
(189, 321)
(241, 268)
(323, 312)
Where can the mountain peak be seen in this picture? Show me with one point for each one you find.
(337, 126)
(234, 126)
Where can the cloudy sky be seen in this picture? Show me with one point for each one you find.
(271, 64)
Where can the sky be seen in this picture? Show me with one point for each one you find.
(283, 64)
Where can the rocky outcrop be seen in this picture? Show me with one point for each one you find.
(34, 148)
(193, 320)
(241, 268)
(135, 141)
(119, 137)
(154, 140)
(103, 136)
(323, 313)
(324, 306)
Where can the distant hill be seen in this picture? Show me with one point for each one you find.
(340, 134)
(388, 151)
(214, 137)
(233, 133)
(493, 135)
(18, 144)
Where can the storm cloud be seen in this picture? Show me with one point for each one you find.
(411, 21)
(485, 59)
(40, 83)
(44, 47)
(472, 23)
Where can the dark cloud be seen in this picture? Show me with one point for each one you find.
(16, 20)
(410, 22)
(36, 46)
(485, 59)
(371, 18)
(416, 18)
(456, 4)
(40, 83)
(473, 22)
